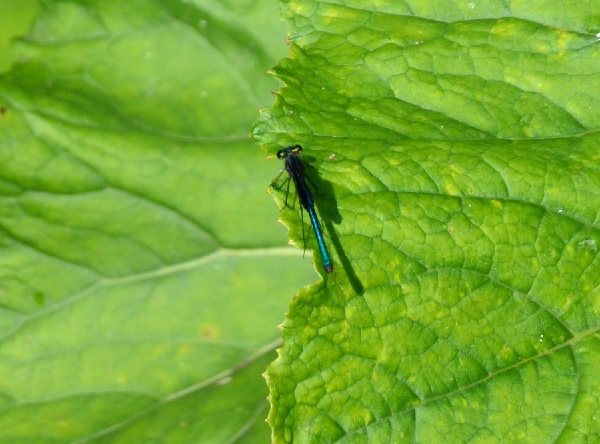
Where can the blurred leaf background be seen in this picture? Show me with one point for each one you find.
(142, 270)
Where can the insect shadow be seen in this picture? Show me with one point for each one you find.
(327, 207)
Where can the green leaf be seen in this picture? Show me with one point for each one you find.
(15, 19)
(455, 150)
(142, 271)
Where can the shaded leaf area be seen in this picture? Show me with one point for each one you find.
(456, 158)
(138, 245)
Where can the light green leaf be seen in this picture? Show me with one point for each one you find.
(15, 19)
(455, 152)
(142, 271)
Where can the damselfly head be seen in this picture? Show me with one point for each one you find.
(283, 153)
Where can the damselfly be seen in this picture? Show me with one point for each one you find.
(293, 164)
